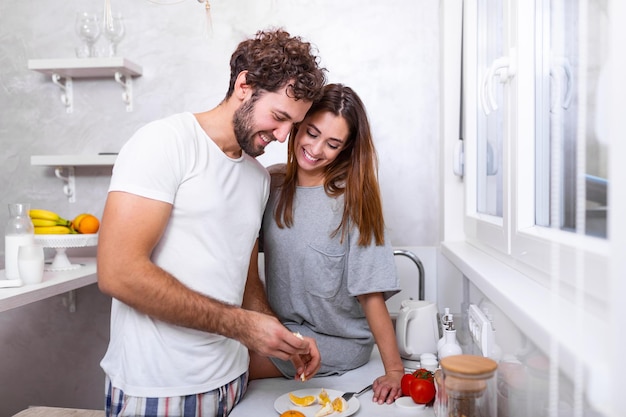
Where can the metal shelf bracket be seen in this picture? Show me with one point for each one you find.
(67, 97)
(126, 82)
(70, 301)
(69, 188)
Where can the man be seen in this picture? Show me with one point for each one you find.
(179, 226)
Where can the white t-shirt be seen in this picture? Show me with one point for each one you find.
(217, 209)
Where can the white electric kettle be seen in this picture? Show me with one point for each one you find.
(417, 329)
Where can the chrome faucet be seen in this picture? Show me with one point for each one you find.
(418, 264)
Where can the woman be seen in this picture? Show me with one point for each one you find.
(328, 267)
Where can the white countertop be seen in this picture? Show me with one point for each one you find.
(259, 399)
(54, 283)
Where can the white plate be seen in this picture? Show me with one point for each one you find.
(283, 403)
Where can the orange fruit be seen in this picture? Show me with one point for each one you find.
(292, 413)
(323, 397)
(302, 401)
(339, 404)
(86, 223)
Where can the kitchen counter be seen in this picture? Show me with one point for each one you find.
(261, 394)
(54, 283)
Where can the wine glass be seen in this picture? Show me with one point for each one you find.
(114, 31)
(88, 29)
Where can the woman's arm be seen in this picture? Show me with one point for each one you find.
(386, 387)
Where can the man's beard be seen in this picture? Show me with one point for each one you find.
(244, 129)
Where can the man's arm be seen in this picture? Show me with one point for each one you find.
(131, 228)
(254, 297)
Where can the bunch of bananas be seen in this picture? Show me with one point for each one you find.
(47, 222)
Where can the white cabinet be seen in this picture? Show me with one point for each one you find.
(63, 71)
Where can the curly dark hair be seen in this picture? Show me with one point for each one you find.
(275, 59)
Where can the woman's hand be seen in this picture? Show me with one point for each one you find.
(387, 387)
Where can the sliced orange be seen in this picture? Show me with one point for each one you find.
(323, 397)
(325, 410)
(292, 413)
(302, 401)
(339, 404)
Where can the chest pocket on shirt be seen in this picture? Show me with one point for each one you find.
(324, 272)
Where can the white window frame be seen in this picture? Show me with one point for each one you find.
(550, 251)
(562, 288)
(532, 249)
(479, 227)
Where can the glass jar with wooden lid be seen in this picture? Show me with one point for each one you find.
(470, 386)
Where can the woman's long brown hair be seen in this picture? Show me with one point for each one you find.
(352, 174)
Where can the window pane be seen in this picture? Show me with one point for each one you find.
(490, 120)
(571, 144)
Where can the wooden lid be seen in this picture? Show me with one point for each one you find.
(472, 366)
(463, 387)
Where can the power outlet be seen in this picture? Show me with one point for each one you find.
(482, 330)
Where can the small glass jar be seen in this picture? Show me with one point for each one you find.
(469, 384)
(440, 405)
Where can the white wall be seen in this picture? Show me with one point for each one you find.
(387, 51)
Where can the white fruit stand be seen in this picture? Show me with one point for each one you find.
(61, 243)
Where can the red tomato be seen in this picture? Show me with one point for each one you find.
(424, 374)
(422, 391)
(405, 384)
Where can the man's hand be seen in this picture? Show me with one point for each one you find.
(265, 335)
(307, 365)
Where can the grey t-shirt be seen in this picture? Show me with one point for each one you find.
(313, 279)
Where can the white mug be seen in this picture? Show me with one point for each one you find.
(30, 263)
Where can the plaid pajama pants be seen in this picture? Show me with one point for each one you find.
(216, 403)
